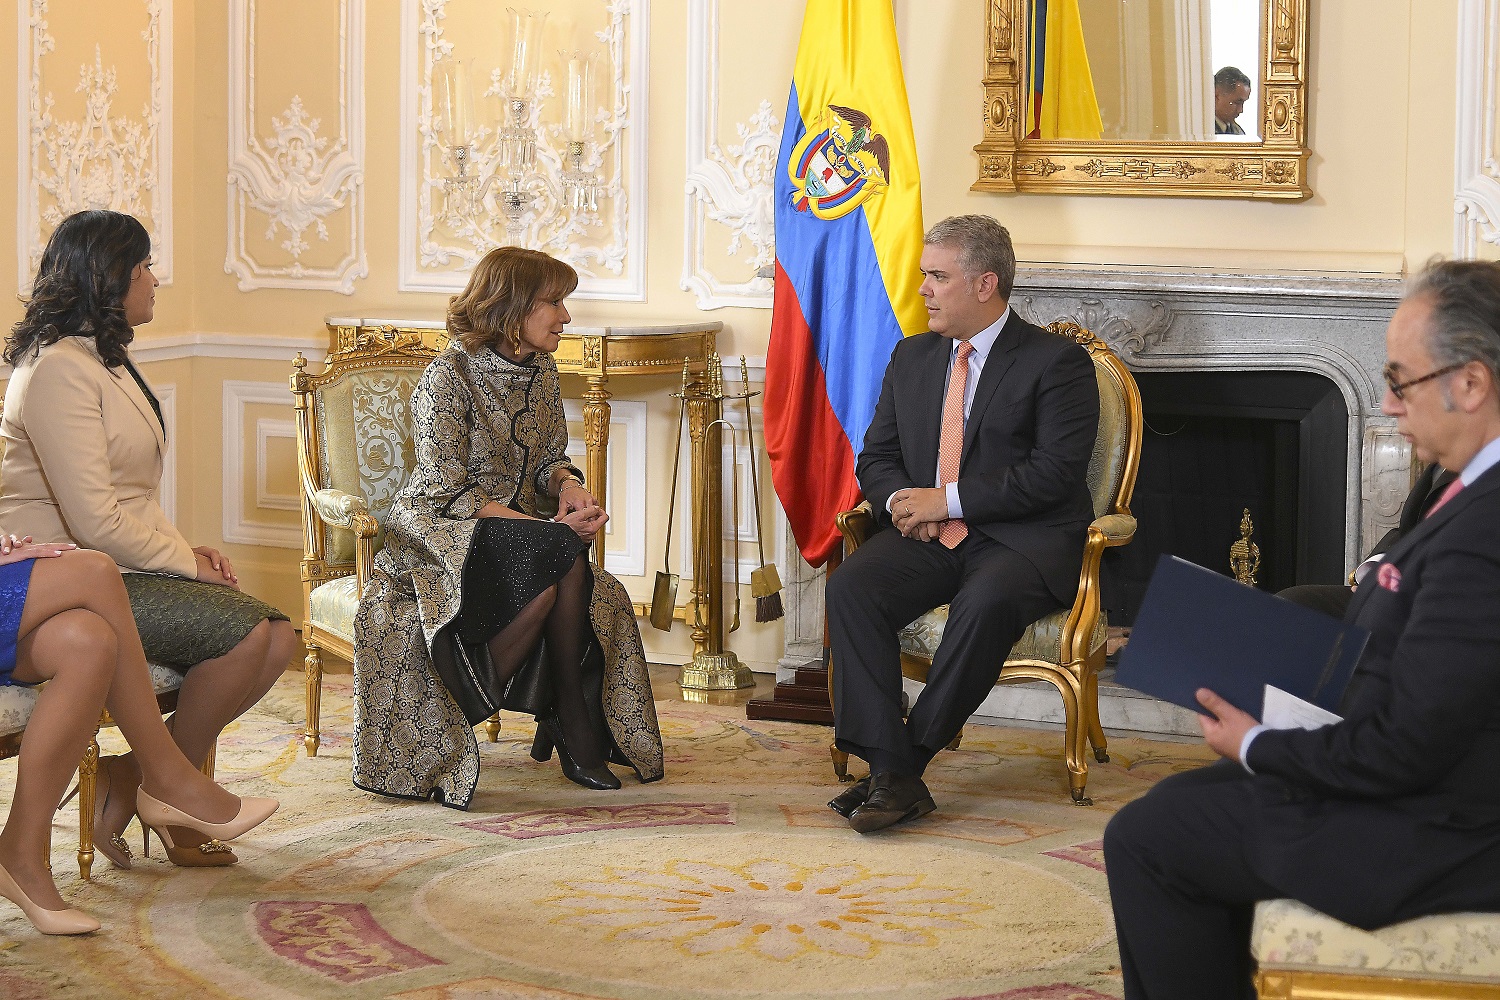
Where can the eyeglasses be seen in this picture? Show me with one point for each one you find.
(1398, 389)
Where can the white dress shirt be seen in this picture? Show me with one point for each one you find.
(982, 342)
(1481, 463)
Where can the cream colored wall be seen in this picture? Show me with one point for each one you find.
(1381, 130)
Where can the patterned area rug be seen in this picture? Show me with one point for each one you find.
(729, 878)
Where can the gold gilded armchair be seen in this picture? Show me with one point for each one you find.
(1066, 648)
(354, 452)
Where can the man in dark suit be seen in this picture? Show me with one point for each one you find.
(1393, 812)
(975, 463)
(1333, 599)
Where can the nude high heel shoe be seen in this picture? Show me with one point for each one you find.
(163, 817)
(46, 921)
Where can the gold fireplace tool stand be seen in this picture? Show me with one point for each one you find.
(713, 667)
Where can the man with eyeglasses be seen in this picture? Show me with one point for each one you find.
(1333, 599)
(1393, 812)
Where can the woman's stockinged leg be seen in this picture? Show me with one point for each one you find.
(513, 645)
(216, 692)
(74, 651)
(568, 634)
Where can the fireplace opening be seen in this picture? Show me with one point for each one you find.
(1218, 443)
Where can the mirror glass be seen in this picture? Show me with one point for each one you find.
(1144, 70)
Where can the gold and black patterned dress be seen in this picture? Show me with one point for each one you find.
(484, 428)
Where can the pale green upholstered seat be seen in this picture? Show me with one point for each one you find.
(334, 604)
(1068, 656)
(1299, 951)
(355, 453)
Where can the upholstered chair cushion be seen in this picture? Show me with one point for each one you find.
(1462, 946)
(333, 606)
(17, 702)
(364, 430)
(1042, 641)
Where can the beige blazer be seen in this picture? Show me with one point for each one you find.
(83, 460)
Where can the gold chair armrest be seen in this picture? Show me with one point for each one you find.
(855, 525)
(1117, 529)
(343, 510)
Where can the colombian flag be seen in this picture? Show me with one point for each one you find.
(848, 249)
(1063, 104)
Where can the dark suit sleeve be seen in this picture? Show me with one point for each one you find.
(880, 469)
(1051, 476)
(1444, 688)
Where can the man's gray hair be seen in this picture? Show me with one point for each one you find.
(983, 246)
(1465, 322)
(1230, 77)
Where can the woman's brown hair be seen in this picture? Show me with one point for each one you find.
(81, 284)
(507, 283)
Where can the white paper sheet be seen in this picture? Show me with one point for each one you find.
(1287, 711)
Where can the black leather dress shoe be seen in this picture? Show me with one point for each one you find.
(851, 798)
(894, 798)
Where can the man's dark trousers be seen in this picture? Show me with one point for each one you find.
(993, 593)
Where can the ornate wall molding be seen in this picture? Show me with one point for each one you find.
(239, 526)
(1476, 199)
(108, 157)
(294, 178)
(730, 186)
(608, 247)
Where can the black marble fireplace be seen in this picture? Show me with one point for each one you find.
(1218, 442)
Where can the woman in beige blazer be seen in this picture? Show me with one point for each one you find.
(84, 442)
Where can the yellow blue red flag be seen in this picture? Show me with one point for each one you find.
(848, 251)
(1063, 103)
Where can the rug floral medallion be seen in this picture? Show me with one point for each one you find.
(730, 878)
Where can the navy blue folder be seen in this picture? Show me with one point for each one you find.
(1201, 629)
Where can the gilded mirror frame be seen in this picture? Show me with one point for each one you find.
(1275, 167)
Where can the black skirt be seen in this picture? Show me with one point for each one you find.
(510, 562)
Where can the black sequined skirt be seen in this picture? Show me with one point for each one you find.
(511, 561)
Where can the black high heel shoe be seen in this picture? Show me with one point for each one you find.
(549, 735)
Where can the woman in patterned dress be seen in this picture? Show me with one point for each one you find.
(65, 619)
(482, 598)
(84, 446)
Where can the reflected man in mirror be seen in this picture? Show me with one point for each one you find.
(1231, 91)
(1393, 812)
(975, 464)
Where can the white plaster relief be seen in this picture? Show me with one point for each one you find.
(1476, 202)
(732, 186)
(295, 177)
(105, 160)
(607, 247)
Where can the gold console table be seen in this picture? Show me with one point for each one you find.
(598, 354)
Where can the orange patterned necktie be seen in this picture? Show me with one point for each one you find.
(1448, 493)
(951, 442)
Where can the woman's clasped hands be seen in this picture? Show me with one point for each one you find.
(577, 508)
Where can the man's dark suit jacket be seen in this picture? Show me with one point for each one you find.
(1364, 815)
(1023, 474)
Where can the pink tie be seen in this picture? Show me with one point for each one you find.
(951, 442)
(1449, 492)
